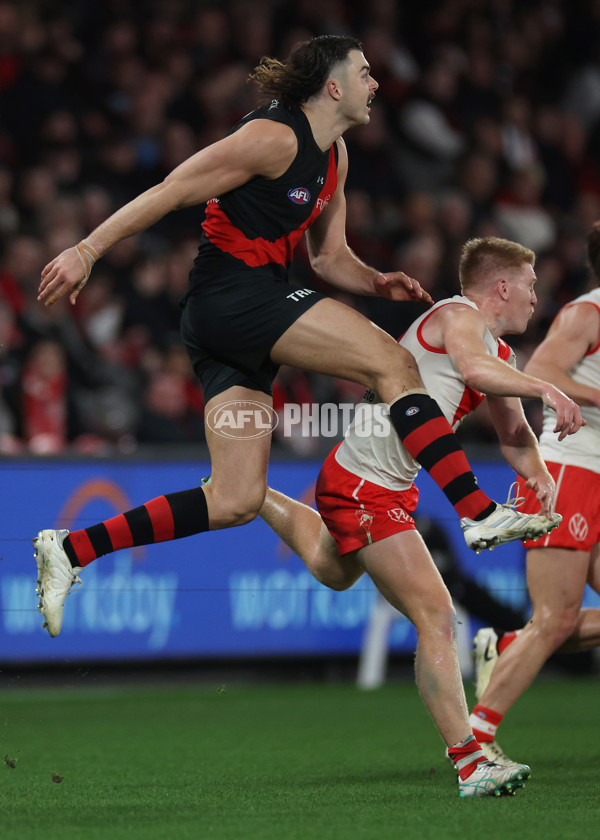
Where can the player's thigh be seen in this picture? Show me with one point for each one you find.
(335, 571)
(556, 579)
(404, 572)
(333, 339)
(593, 577)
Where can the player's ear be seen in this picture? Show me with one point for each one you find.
(334, 89)
(502, 288)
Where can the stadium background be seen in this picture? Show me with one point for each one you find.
(487, 121)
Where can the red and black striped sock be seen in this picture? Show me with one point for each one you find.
(167, 517)
(429, 438)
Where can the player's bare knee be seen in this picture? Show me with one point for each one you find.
(333, 575)
(437, 618)
(553, 628)
(564, 627)
(396, 372)
(230, 509)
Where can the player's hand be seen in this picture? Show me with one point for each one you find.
(568, 415)
(65, 275)
(545, 491)
(399, 286)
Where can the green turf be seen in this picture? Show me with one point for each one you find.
(292, 762)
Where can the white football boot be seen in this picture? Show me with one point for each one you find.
(56, 577)
(506, 524)
(485, 652)
(494, 752)
(491, 779)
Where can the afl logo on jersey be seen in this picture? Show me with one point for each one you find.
(299, 195)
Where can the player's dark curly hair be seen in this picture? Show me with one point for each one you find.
(593, 252)
(296, 80)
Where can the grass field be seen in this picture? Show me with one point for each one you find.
(285, 762)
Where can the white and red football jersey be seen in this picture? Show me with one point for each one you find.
(583, 448)
(371, 448)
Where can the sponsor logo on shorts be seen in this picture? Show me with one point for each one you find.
(299, 195)
(578, 527)
(242, 419)
(365, 518)
(399, 515)
(300, 293)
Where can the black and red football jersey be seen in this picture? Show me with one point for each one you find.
(261, 222)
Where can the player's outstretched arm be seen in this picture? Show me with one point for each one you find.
(261, 147)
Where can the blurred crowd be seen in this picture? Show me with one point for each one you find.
(486, 122)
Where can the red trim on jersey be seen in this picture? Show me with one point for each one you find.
(119, 532)
(595, 348)
(420, 338)
(161, 517)
(468, 402)
(471, 398)
(259, 251)
(504, 351)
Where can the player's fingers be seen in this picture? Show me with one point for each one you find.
(561, 427)
(47, 278)
(577, 421)
(47, 290)
(48, 269)
(409, 282)
(568, 420)
(419, 291)
(574, 422)
(51, 293)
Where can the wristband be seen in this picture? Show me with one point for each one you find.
(88, 256)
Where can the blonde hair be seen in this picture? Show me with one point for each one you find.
(483, 256)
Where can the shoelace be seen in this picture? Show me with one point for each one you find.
(75, 584)
(514, 502)
(487, 763)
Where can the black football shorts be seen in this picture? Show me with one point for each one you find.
(230, 323)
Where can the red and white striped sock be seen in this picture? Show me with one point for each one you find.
(484, 723)
(466, 755)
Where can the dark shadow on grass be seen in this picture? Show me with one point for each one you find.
(404, 777)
